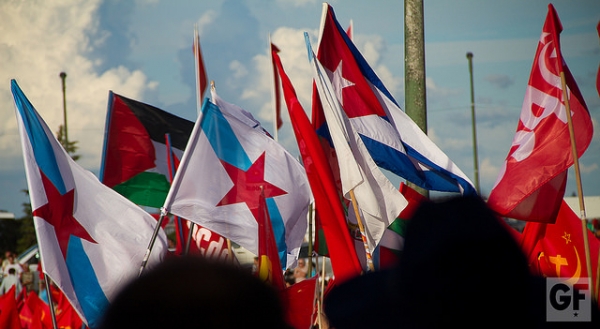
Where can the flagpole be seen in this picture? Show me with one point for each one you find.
(579, 187)
(50, 302)
(273, 93)
(163, 213)
(362, 232)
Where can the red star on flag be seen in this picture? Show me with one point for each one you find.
(247, 185)
(58, 212)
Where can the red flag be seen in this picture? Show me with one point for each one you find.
(328, 205)
(35, 313)
(598, 74)
(300, 299)
(201, 76)
(269, 265)
(540, 155)
(559, 249)
(66, 316)
(275, 50)
(9, 315)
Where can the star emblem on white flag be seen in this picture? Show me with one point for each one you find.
(338, 82)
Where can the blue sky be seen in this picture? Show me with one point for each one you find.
(143, 50)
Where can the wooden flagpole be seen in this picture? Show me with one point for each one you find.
(362, 232)
(579, 187)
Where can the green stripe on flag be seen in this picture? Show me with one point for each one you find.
(146, 189)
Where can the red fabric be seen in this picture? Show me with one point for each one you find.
(269, 264)
(299, 300)
(541, 153)
(66, 316)
(35, 313)
(9, 315)
(129, 149)
(328, 205)
(557, 250)
(202, 75)
(598, 74)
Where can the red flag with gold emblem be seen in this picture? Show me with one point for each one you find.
(532, 181)
(559, 250)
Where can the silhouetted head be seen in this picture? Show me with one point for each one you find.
(194, 292)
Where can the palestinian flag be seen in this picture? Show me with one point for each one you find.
(134, 161)
(392, 243)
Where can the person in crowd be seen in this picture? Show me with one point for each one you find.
(12, 263)
(9, 281)
(195, 292)
(460, 267)
(301, 270)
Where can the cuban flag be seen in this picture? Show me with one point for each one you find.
(228, 160)
(92, 240)
(395, 142)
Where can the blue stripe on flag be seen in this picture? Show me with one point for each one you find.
(222, 138)
(92, 299)
(42, 149)
(278, 230)
(403, 165)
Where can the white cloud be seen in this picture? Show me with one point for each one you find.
(40, 39)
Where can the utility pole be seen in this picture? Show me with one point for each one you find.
(473, 125)
(414, 67)
(63, 76)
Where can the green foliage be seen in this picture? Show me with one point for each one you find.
(26, 228)
(70, 146)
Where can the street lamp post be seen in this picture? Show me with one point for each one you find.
(475, 159)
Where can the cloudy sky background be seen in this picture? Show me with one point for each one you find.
(143, 50)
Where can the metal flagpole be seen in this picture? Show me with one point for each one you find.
(50, 302)
(63, 76)
(579, 187)
(473, 124)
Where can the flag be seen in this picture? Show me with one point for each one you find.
(35, 313)
(91, 239)
(275, 50)
(228, 158)
(392, 243)
(379, 202)
(9, 315)
(532, 180)
(201, 75)
(598, 74)
(133, 160)
(203, 241)
(269, 266)
(395, 142)
(328, 202)
(66, 316)
(559, 249)
(300, 299)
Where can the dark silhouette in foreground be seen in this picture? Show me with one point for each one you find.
(460, 267)
(194, 292)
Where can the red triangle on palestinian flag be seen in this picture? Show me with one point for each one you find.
(133, 159)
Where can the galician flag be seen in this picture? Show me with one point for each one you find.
(228, 159)
(133, 161)
(92, 240)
